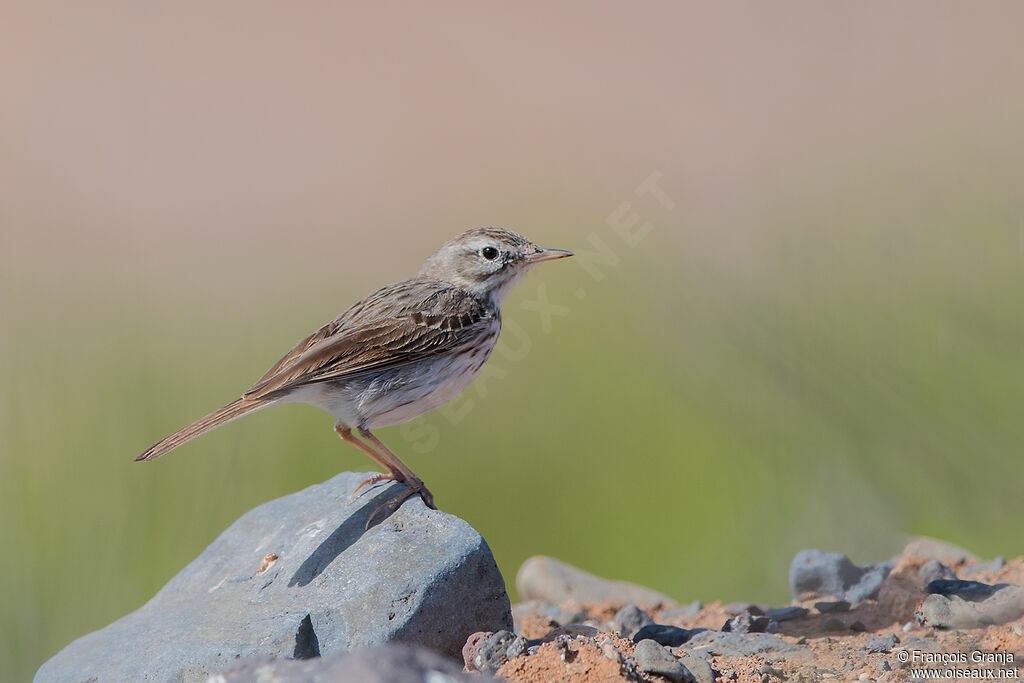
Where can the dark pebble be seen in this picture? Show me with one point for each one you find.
(663, 634)
(747, 623)
(786, 613)
(971, 591)
(858, 626)
(826, 606)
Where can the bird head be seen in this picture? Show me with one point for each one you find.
(487, 262)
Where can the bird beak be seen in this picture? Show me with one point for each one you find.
(547, 255)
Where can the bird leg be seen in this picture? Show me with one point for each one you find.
(393, 474)
(396, 470)
(414, 482)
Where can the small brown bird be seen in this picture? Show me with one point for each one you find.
(397, 354)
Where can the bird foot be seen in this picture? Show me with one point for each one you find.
(414, 487)
(376, 479)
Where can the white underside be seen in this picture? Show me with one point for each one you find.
(397, 395)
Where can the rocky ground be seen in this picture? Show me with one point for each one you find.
(847, 623)
(315, 587)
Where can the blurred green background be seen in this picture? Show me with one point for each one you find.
(819, 344)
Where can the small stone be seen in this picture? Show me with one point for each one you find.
(609, 650)
(663, 634)
(934, 549)
(746, 623)
(493, 652)
(858, 626)
(379, 664)
(933, 570)
(884, 666)
(629, 620)
(908, 627)
(882, 644)
(736, 608)
(1005, 604)
(833, 624)
(691, 610)
(801, 640)
(786, 613)
(827, 606)
(653, 658)
(517, 648)
(566, 617)
(993, 566)
(550, 580)
(473, 644)
(719, 643)
(814, 573)
(699, 667)
(769, 670)
(972, 591)
(572, 631)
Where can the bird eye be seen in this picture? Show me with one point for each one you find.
(489, 253)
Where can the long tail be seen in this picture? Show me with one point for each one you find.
(232, 411)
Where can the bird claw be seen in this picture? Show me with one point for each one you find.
(375, 479)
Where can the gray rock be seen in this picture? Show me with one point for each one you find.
(934, 549)
(746, 622)
(570, 616)
(652, 658)
(723, 644)
(673, 636)
(933, 570)
(882, 644)
(971, 591)
(786, 613)
(548, 579)
(517, 648)
(493, 652)
(827, 606)
(629, 620)
(380, 664)
(816, 574)
(326, 584)
(993, 566)
(858, 627)
(734, 609)
(699, 668)
(691, 610)
(1005, 604)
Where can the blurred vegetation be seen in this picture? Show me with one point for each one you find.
(841, 372)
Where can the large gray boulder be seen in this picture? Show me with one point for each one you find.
(299, 577)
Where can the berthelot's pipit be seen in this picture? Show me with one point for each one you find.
(397, 354)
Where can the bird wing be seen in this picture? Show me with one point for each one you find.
(402, 323)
